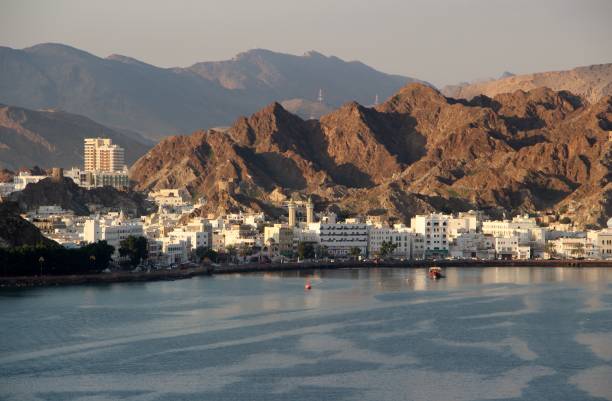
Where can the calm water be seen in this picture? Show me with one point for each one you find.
(385, 334)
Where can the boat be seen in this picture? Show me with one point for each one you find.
(435, 272)
(308, 286)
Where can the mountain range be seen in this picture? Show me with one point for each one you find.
(419, 151)
(591, 82)
(126, 94)
(50, 138)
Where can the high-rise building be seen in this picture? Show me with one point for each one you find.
(102, 155)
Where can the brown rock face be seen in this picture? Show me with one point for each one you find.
(419, 151)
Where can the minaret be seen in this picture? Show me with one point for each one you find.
(309, 211)
(320, 97)
(376, 100)
(291, 207)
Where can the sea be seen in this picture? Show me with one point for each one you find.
(496, 333)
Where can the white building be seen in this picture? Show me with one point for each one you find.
(340, 238)
(464, 222)
(399, 235)
(238, 235)
(281, 235)
(169, 197)
(112, 228)
(24, 178)
(175, 250)
(102, 155)
(524, 227)
(471, 244)
(603, 241)
(506, 247)
(434, 228)
(575, 248)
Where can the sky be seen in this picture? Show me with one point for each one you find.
(440, 41)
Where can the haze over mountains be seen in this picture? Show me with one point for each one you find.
(121, 92)
(54, 138)
(591, 82)
(417, 152)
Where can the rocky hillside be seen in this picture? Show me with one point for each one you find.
(54, 138)
(591, 83)
(124, 93)
(419, 151)
(16, 231)
(70, 196)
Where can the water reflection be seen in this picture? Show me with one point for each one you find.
(359, 334)
(395, 279)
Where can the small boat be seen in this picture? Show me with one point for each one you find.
(435, 272)
(308, 286)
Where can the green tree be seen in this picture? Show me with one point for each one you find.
(135, 248)
(565, 220)
(231, 251)
(203, 252)
(386, 248)
(355, 252)
(305, 250)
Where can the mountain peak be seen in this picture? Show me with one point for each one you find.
(314, 54)
(127, 60)
(58, 49)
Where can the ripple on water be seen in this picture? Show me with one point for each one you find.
(595, 381)
(600, 344)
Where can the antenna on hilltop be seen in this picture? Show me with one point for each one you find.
(376, 100)
(320, 97)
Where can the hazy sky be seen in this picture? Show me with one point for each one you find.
(439, 41)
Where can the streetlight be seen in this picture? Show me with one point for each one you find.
(41, 260)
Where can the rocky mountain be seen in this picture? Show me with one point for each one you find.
(283, 76)
(591, 82)
(419, 151)
(127, 94)
(53, 138)
(16, 231)
(81, 201)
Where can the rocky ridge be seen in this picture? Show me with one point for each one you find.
(592, 82)
(419, 151)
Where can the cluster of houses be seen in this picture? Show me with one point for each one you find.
(173, 236)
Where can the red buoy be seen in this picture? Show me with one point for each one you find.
(307, 286)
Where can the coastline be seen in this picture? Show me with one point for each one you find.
(179, 274)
